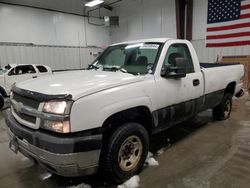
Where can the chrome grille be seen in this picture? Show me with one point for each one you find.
(26, 101)
(26, 117)
(18, 101)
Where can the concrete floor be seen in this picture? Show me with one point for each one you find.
(197, 154)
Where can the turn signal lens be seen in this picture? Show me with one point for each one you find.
(57, 126)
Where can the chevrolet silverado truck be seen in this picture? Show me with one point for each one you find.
(101, 119)
(13, 73)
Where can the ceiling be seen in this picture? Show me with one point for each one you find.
(68, 6)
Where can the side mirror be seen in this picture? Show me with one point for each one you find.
(11, 72)
(178, 70)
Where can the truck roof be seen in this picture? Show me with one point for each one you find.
(157, 40)
(14, 65)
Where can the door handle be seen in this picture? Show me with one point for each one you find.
(196, 82)
(34, 76)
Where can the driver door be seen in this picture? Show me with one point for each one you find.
(178, 98)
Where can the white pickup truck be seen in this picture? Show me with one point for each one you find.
(13, 73)
(75, 123)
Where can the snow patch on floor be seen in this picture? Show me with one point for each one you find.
(150, 161)
(150, 154)
(45, 175)
(131, 183)
(160, 151)
(82, 185)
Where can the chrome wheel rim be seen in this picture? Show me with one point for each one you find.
(227, 109)
(130, 153)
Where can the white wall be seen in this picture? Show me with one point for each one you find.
(199, 36)
(147, 18)
(58, 58)
(57, 37)
(144, 19)
(71, 6)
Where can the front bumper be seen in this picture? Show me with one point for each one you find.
(67, 156)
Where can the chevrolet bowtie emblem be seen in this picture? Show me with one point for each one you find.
(18, 106)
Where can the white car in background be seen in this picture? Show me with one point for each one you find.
(14, 73)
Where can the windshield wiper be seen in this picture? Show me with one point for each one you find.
(114, 68)
(92, 66)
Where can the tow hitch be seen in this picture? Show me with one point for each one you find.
(239, 94)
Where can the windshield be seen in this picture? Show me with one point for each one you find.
(5, 69)
(136, 58)
(2, 71)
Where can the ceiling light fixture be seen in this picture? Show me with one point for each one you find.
(94, 3)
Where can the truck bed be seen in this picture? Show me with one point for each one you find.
(212, 65)
(218, 75)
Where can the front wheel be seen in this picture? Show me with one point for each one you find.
(125, 153)
(223, 110)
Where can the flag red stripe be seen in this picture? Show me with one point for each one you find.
(228, 27)
(244, 7)
(225, 44)
(242, 16)
(231, 35)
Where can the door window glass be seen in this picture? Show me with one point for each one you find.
(42, 69)
(179, 51)
(22, 69)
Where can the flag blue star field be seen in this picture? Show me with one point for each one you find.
(228, 23)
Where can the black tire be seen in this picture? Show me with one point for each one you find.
(1, 101)
(223, 110)
(110, 166)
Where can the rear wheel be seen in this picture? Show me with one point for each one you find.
(223, 110)
(125, 152)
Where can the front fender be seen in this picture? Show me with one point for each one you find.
(91, 111)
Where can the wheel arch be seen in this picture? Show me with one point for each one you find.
(138, 114)
(3, 92)
(230, 88)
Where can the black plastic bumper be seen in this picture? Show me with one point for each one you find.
(61, 144)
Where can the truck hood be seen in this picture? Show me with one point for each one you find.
(78, 83)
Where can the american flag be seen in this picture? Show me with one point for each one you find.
(228, 23)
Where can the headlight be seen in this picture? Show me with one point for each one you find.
(57, 107)
(61, 109)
